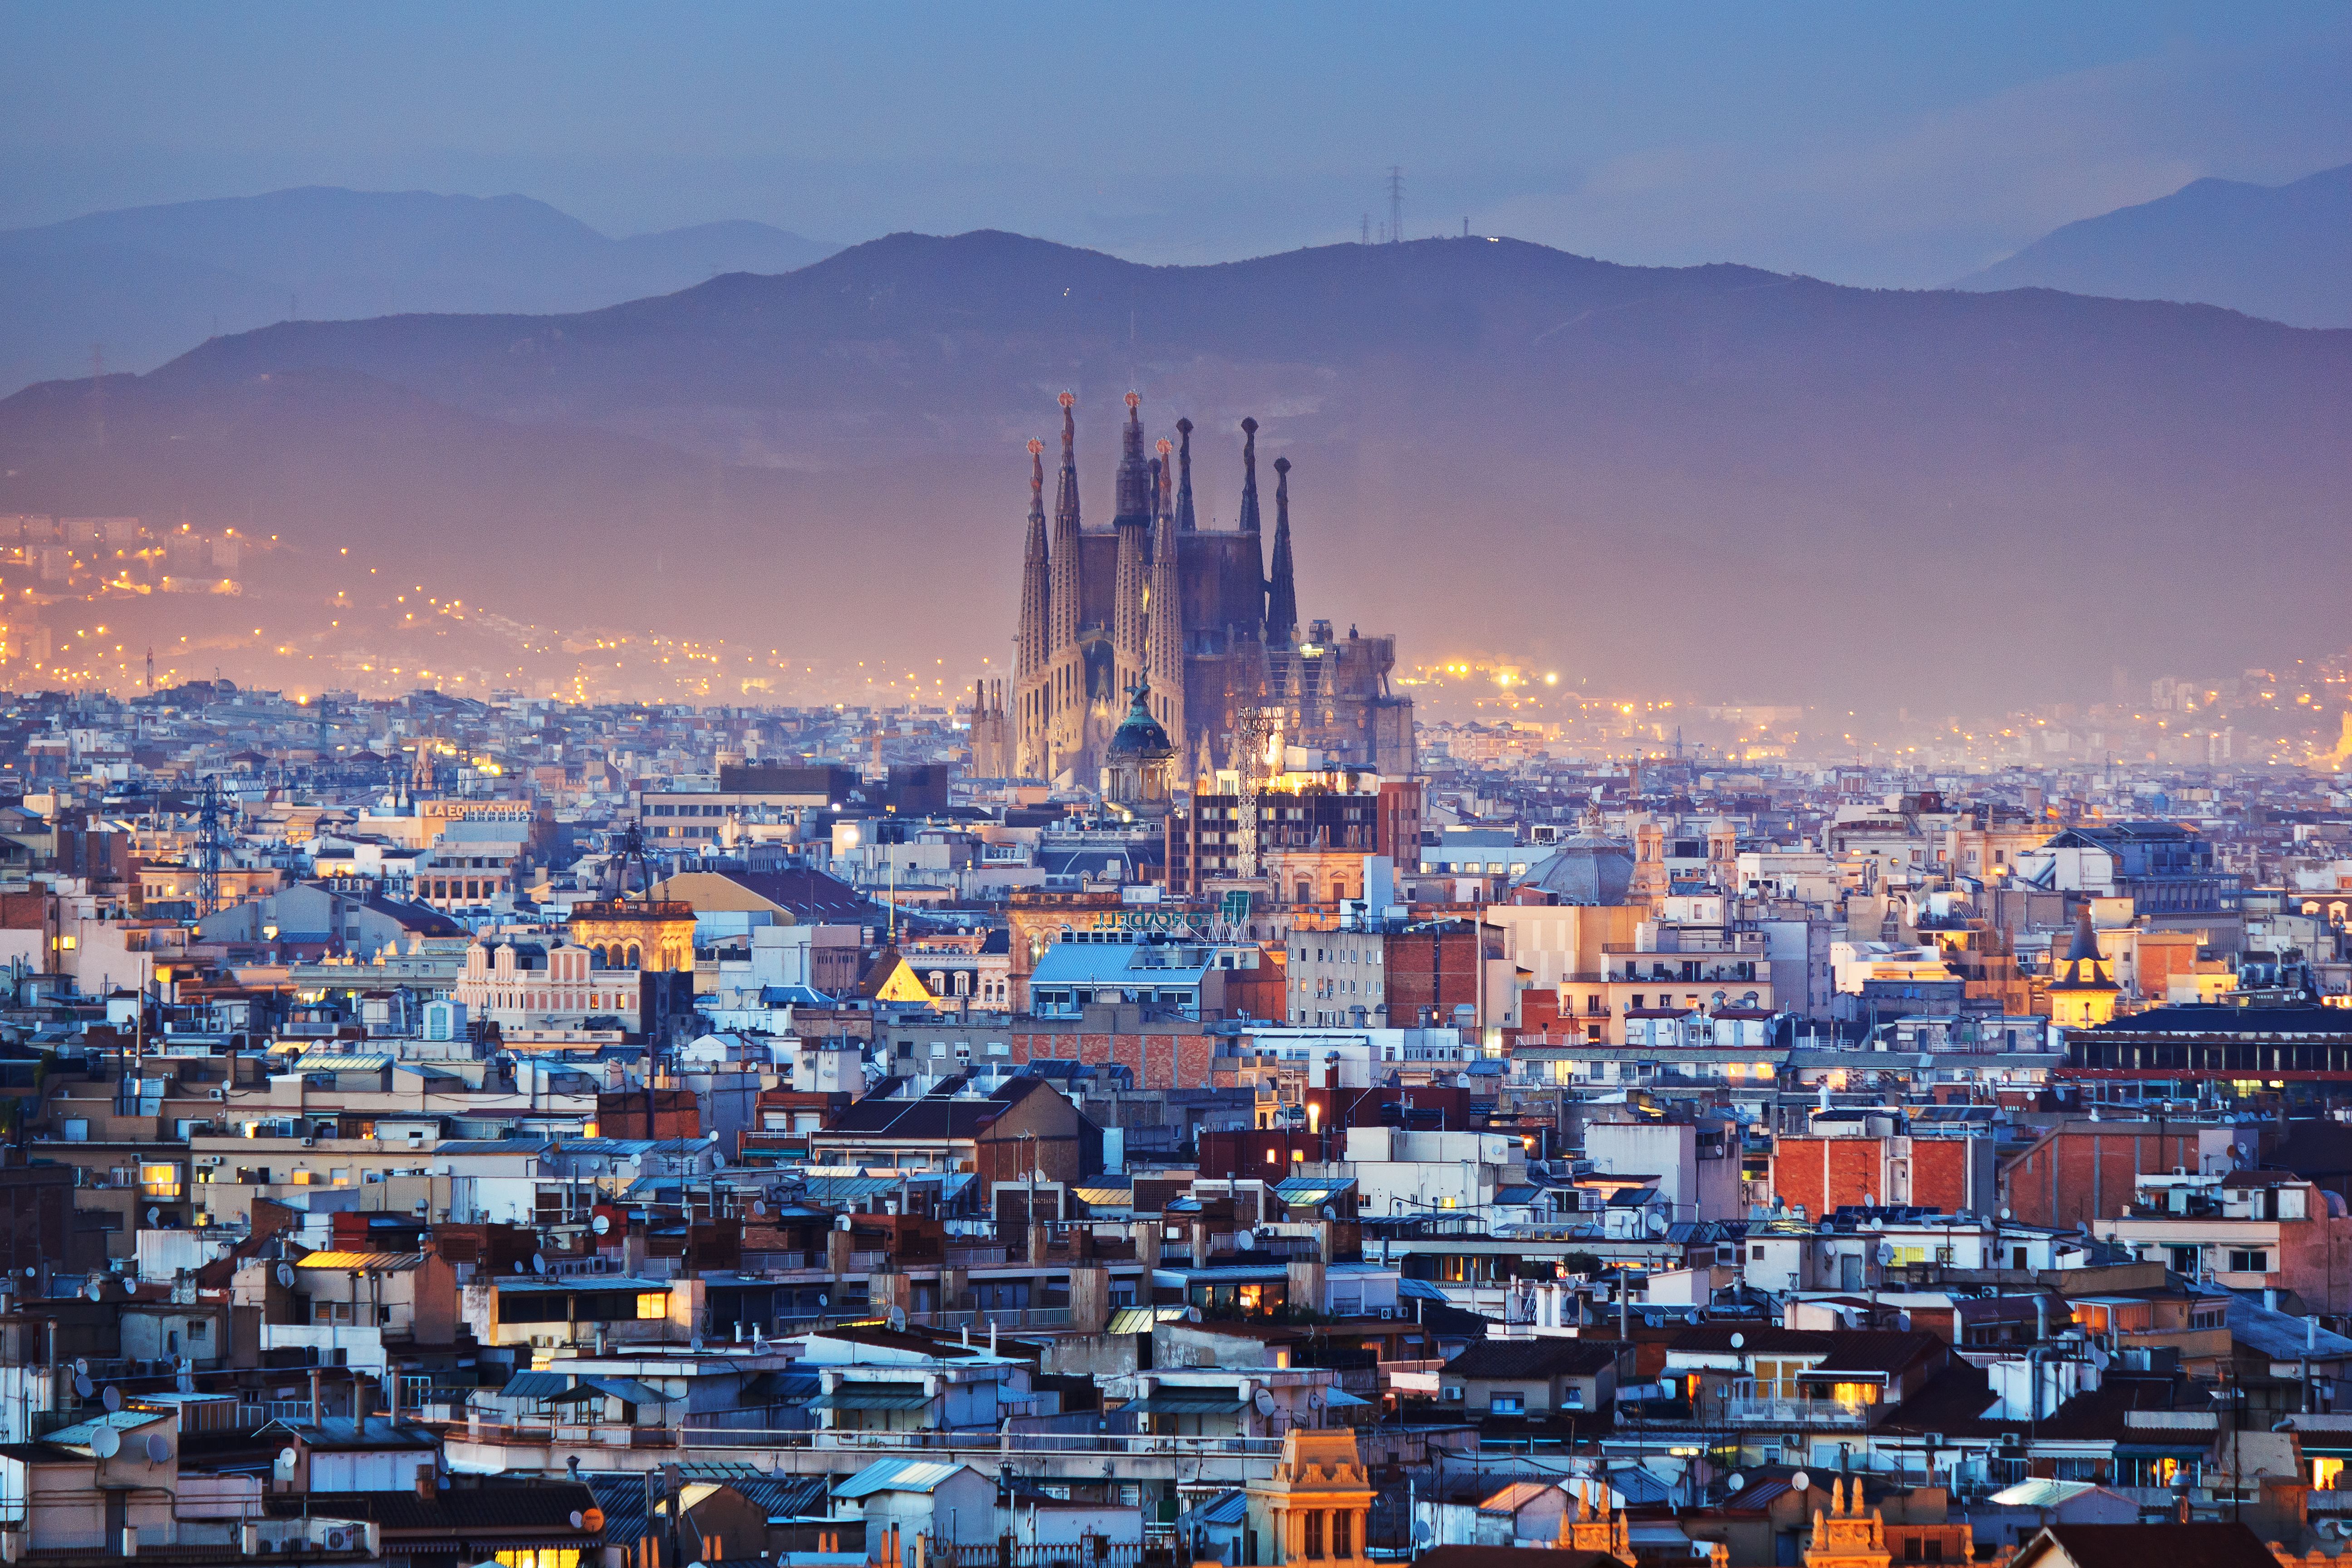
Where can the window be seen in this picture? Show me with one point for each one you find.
(539, 1557)
(1343, 1534)
(653, 1304)
(1504, 1405)
(2254, 1262)
(158, 1181)
(1757, 1253)
(1311, 1532)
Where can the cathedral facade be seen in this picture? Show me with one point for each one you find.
(1202, 623)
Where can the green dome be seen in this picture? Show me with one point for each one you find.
(1140, 734)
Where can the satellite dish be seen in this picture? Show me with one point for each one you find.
(1263, 1401)
(898, 1319)
(111, 1397)
(1736, 1481)
(601, 1223)
(83, 1386)
(159, 1448)
(760, 1208)
(1903, 1321)
(81, 1366)
(1420, 1533)
(577, 1519)
(2004, 1214)
(518, 1264)
(1801, 1480)
(538, 1263)
(286, 1459)
(1884, 1253)
(286, 1275)
(2099, 1358)
(93, 1292)
(822, 1300)
(154, 1215)
(1739, 1342)
(106, 1442)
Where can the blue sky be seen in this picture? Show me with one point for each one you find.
(1888, 145)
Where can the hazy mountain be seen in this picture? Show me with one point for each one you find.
(1713, 479)
(2283, 252)
(148, 283)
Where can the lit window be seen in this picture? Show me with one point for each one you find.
(160, 1180)
(653, 1304)
(539, 1557)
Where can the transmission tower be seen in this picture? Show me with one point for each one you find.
(208, 849)
(1396, 203)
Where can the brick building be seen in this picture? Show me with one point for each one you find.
(1162, 1052)
(1431, 970)
(1823, 1174)
(2086, 1171)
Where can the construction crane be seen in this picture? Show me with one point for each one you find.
(1258, 731)
(209, 844)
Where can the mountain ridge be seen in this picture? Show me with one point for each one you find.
(151, 282)
(1664, 477)
(2280, 252)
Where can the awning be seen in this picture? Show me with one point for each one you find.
(1339, 1396)
(1167, 1403)
(873, 1397)
(1143, 1320)
(531, 1385)
(781, 1388)
(629, 1389)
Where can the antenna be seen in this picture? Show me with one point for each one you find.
(1396, 203)
(150, 670)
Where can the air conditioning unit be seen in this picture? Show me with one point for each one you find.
(310, 1143)
(1387, 1313)
(339, 1541)
(209, 1159)
(220, 1094)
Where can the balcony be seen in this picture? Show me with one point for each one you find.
(1741, 1404)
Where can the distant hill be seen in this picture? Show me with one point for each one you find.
(1709, 479)
(148, 283)
(2281, 252)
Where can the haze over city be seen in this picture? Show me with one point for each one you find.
(1471, 785)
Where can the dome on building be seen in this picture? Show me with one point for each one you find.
(1586, 869)
(1140, 734)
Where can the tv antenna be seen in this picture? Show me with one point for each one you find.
(1396, 203)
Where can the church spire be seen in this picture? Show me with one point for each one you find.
(1281, 589)
(1066, 498)
(1134, 480)
(1249, 521)
(1163, 473)
(1036, 574)
(1184, 479)
(1164, 622)
(1063, 627)
(1245, 609)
